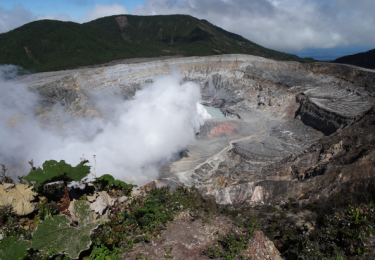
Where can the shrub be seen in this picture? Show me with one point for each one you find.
(232, 244)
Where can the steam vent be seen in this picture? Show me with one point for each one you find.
(291, 130)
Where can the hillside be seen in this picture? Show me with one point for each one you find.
(363, 59)
(49, 45)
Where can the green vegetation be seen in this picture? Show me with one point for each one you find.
(11, 224)
(103, 253)
(52, 232)
(4, 178)
(54, 45)
(340, 230)
(54, 171)
(13, 249)
(232, 244)
(56, 233)
(364, 59)
(107, 182)
(146, 217)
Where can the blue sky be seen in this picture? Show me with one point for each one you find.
(331, 53)
(74, 8)
(323, 29)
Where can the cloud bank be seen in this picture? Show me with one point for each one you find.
(130, 143)
(18, 15)
(103, 10)
(15, 17)
(284, 25)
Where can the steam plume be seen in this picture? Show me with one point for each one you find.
(160, 120)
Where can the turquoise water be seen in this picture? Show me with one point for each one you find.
(214, 112)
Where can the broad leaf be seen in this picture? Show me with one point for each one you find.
(12, 250)
(80, 171)
(19, 197)
(103, 201)
(58, 171)
(6, 242)
(56, 233)
(107, 181)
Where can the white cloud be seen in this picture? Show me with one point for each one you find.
(18, 15)
(13, 18)
(103, 10)
(286, 25)
(60, 17)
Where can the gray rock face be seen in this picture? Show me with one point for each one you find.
(263, 151)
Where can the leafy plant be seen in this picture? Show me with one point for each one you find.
(232, 244)
(5, 178)
(56, 233)
(168, 252)
(54, 171)
(11, 225)
(6, 212)
(13, 249)
(146, 216)
(45, 210)
(213, 251)
(107, 182)
(103, 253)
(341, 228)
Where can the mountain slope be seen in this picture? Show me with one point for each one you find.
(53, 45)
(363, 59)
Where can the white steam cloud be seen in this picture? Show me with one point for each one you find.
(138, 135)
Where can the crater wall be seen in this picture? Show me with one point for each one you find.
(277, 138)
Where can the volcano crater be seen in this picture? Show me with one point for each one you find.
(291, 130)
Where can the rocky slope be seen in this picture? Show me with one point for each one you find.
(187, 238)
(292, 130)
